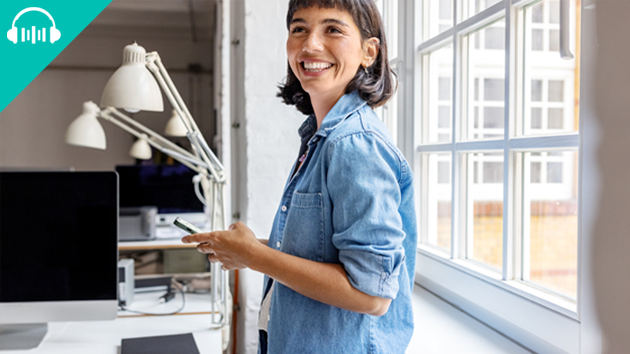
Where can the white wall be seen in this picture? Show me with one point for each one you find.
(32, 127)
(266, 143)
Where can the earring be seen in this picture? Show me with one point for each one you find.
(366, 71)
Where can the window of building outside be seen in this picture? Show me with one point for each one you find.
(390, 14)
(496, 117)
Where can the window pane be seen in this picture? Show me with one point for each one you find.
(535, 172)
(437, 93)
(556, 91)
(446, 9)
(436, 204)
(537, 90)
(493, 172)
(438, 14)
(537, 13)
(550, 100)
(485, 82)
(485, 209)
(550, 222)
(390, 16)
(474, 7)
(554, 12)
(493, 90)
(493, 117)
(444, 117)
(555, 118)
(444, 172)
(390, 116)
(554, 40)
(536, 118)
(537, 39)
(554, 172)
(495, 38)
(444, 88)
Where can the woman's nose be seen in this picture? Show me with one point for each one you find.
(312, 43)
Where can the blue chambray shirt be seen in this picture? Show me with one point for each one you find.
(351, 203)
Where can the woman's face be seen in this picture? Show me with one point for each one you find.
(325, 50)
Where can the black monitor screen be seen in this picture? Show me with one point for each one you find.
(58, 236)
(169, 187)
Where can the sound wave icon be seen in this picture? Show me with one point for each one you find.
(30, 35)
(33, 35)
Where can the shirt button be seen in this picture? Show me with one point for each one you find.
(284, 208)
(278, 244)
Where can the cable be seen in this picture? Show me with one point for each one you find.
(200, 196)
(181, 290)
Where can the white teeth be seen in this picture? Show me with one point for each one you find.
(316, 65)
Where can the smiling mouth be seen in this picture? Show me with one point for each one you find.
(315, 67)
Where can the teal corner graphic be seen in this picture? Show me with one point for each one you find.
(36, 32)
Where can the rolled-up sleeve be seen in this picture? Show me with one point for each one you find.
(362, 180)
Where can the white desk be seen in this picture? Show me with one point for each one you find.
(154, 245)
(104, 337)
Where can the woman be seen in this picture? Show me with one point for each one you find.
(340, 259)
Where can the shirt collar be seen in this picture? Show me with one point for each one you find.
(346, 105)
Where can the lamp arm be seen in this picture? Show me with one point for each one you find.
(154, 64)
(189, 161)
(218, 176)
(154, 136)
(213, 185)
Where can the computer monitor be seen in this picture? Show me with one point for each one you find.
(58, 250)
(168, 187)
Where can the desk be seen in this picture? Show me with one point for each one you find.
(104, 337)
(154, 245)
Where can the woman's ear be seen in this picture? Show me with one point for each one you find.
(370, 51)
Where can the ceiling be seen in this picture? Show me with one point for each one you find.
(190, 19)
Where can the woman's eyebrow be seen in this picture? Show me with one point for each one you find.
(300, 20)
(335, 21)
(328, 20)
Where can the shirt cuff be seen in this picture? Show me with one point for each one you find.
(371, 273)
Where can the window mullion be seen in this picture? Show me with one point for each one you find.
(457, 237)
(509, 163)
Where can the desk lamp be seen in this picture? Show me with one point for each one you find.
(133, 87)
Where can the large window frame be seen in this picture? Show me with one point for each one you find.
(530, 314)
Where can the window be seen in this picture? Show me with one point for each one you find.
(496, 144)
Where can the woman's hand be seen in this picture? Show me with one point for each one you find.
(233, 247)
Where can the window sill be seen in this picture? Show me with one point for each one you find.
(546, 299)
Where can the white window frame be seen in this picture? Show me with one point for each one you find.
(539, 319)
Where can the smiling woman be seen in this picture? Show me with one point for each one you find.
(346, 27)
(340, 259)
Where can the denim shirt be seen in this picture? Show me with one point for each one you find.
(351, 203)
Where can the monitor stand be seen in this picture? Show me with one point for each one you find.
(22, 336)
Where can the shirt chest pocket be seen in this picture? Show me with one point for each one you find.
(304, 228)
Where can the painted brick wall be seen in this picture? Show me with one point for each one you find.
(267, 143)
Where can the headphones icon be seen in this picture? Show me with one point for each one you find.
(54, 33)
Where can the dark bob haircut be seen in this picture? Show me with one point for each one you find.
(376, 86)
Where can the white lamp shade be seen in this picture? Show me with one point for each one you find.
(175, 126)
(132, 86)
(86, 130)
(140, 150)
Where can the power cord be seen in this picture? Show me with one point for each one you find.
(169, 295)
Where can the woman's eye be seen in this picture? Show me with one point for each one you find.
(297, 30)
(334, 30)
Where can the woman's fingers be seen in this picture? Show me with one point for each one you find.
(233, 247)
(205, 248)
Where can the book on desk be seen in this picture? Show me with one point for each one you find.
(178, 343)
